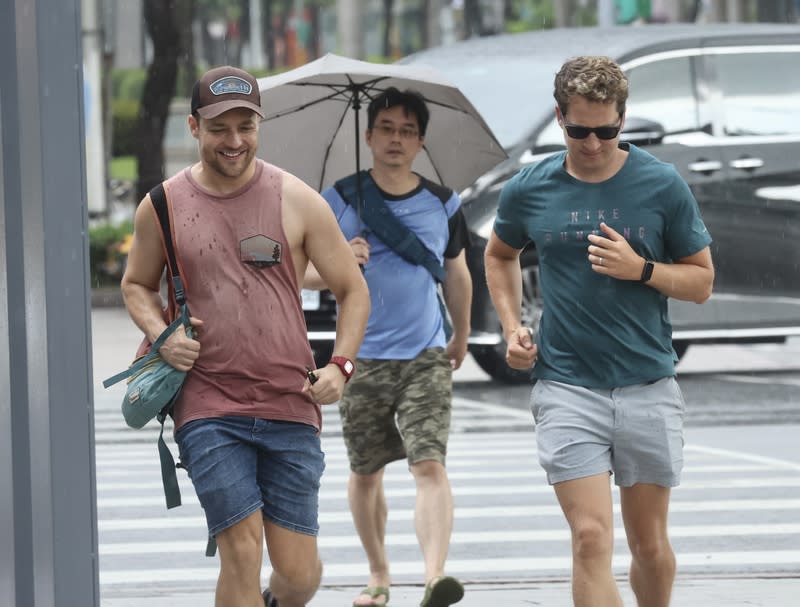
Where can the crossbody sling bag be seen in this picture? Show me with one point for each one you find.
(137, 417)
(379, 218)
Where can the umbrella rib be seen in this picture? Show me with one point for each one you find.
(343, 92)
(433, 165)
(329, 146)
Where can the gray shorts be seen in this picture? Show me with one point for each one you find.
(634, 432)
(396, 409)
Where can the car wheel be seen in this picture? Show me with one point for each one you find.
(492, 359)
(322, 350)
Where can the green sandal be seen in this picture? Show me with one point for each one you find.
(374, 592)
(443, 592)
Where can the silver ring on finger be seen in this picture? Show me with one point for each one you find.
(600, 261)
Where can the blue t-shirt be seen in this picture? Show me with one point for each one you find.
(598, 331)
(405, 317)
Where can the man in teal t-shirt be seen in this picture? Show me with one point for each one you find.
(617, 232)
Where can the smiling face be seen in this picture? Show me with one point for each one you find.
(228, 145)
(394, 138)
(592, 158)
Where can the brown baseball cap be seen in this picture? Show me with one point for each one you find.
(225, 88)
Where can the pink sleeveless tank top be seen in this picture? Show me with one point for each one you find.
(240, 280)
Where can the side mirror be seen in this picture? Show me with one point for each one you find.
(642, 131)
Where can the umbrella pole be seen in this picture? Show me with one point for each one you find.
(359, 197)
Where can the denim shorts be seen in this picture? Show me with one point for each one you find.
(635, 431)
(239, 465)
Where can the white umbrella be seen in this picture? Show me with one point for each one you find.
(316, 116)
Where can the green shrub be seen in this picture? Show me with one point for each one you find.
(108, 252)
(123, 168)
(128, 83)
(125, 114)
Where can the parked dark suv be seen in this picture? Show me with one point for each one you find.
(720, 102)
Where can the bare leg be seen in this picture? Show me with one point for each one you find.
(644, 512)
(587, 506)
(296, 568)
(368, 507)
(433, 515)
(240, 552)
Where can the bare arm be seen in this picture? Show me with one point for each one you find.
(690, 278)
(457, 289)
(140, 289)
(312, 280)
(504, 278)
(324, 245)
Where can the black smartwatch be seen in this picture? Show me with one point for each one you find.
(647, 270)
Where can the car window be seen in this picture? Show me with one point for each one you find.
(663, 91)
(760, 93)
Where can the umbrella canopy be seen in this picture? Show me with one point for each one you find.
(316, 116)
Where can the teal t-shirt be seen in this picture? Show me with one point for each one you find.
(597, 331)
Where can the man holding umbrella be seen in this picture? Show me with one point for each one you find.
(398, 406)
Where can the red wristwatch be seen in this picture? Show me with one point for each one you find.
(345, 365)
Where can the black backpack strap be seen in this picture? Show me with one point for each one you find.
(159, 198)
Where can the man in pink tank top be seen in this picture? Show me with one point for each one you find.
(248, 419)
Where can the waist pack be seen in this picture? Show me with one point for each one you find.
(153, 384)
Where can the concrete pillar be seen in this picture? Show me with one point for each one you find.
(48, 517)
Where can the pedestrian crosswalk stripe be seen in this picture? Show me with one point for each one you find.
(504, 512)
(748, 457)
(516, 489)
(458, 567)
(394, 475)
(460, 538)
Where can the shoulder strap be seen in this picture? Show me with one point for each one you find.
(169, 478)
(159, 198)
(376, 215)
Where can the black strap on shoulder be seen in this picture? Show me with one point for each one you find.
(378, 217)
(159, 198)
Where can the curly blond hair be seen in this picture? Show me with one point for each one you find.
(598, 79)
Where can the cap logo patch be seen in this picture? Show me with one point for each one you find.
(231, 84)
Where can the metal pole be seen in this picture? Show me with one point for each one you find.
(48, 518)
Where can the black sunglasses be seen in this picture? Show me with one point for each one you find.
(582, 132)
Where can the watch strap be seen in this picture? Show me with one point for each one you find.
(346, 366)
(647, 270)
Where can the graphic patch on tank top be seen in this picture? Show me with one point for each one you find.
(260, 251)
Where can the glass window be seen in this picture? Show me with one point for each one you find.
(760, 93)
(664, 91)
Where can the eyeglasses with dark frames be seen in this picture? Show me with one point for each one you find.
(576, 131)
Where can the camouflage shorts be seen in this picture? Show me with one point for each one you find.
(393, 409)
